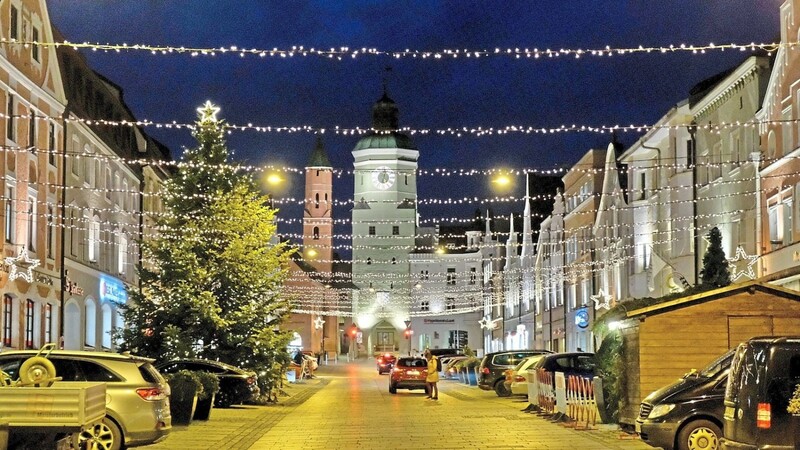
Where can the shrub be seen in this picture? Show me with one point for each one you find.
(183, 385)
(209, 383)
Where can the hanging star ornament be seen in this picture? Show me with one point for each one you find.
(601, 300)
(21, 266)
(208, 112)
(318, 322)
(741, 255)
(484, 323)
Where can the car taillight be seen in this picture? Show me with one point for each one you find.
(151, 394)
(519, 378)
(764, 416)
(486, 371)
(251, 380)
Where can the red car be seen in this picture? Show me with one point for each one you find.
(409, 373)
(385, 363)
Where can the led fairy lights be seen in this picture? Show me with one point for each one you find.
(346, 52)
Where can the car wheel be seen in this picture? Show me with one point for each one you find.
(106, 435)
(222, 400)
(699, 435)
(393, 388)
(500, 389)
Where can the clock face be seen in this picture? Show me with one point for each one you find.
(383, 177)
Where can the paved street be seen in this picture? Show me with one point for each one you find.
(349, 407)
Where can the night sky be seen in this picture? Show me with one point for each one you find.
(488, 92)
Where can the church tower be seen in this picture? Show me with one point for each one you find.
(318, 211)
(384, 224)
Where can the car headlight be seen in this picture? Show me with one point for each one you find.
(660, 410)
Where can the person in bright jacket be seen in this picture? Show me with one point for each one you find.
(433, 376)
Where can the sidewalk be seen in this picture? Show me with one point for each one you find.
(240, 426)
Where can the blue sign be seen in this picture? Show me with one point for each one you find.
(582, 318)
(112, 290)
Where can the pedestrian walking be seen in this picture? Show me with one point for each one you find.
(432, 379)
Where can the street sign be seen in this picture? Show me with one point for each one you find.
(408, 323)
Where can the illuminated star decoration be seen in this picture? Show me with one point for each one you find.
(208, 112)
(601, 300)
(318, 323)
(484, 323)
(21, 266)
(741, 255)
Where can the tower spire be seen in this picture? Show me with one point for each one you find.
(511, 243)
(527, 234)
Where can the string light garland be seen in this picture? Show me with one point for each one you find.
(345, 52)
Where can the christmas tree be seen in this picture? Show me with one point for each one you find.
(715, 273)
(211, 279)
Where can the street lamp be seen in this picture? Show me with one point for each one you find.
(691, 158)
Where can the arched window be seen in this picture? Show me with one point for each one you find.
(316, 203)
(316, 233)
(369, 261)
(771, 144)
(72, 333)
(106, 326)
(90, 335)
(394, 260)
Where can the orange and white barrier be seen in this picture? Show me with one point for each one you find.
(581, 403)
(547, 394)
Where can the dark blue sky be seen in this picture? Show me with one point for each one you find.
(489, 92)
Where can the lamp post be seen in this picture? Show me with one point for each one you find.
(691, 158)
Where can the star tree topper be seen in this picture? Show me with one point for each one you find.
(208, 112)
(741, 255)
(318, 322)
(21, 266)
(601, 300)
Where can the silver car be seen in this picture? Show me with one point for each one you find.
(137, 396)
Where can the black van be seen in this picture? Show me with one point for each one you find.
(687, 414)
(764, 373)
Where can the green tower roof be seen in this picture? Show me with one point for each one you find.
(319, 158)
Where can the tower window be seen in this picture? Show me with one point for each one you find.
(372, 230)
(316, 233)
(316, 202)
(406, 180)
(395, 230)
(369, 261)
(317, 172)
(394, 260)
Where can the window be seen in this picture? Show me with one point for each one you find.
(315, 234)
(10, 125)
(10, 219)
(48, 323)
(394, 260)
(473, 275)
(32, 223)
(451, 276)
(51, 233)
(29, 309)
(316, 200)
(91, 323)
(106, 326)
(51, 144)
(93, 247)
(109, 183)
(369, 261)
(642, 186)
(425, 306)
(8, 310)
(117, 184)
(395, 230)
(125, 195)
(122, 255)
(32, 132)
(372, 230)
(14, 23)
(34, 47)
(450, 304)
(88, 166)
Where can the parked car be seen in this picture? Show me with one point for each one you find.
(409, 373)
(441, 352)
(687, 414)
(568, 363)
(385, 363)
(137, 405)
(448, 368)
(764, 374)
(236, 385)
(517, 378)
(491, 372)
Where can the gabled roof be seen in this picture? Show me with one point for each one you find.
(716, 294)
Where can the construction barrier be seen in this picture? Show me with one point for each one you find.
(547, 395)
(581, 403)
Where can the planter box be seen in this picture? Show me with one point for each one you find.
(182, 409)
(203, 409)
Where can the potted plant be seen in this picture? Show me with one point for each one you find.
(471, 364)
(205, 400)
(184, 388)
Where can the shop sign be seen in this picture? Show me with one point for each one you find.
(582, 318)
(112, 290)
(435, 321)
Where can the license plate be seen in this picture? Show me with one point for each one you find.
(413, 372)
(638, 428)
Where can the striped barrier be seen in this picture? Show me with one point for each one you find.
(547, 394)
(581, 403)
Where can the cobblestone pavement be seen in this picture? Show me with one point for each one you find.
(348, 406)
